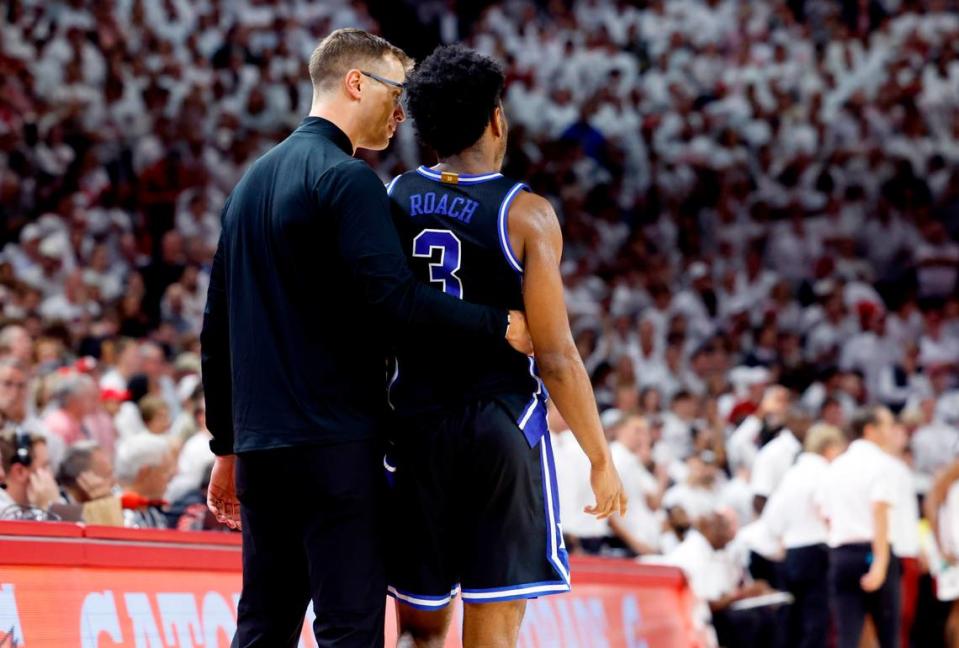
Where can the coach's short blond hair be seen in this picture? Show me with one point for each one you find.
(822, 436)
(345, 49)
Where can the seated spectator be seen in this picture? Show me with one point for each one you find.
(15, 406)
(715, 579)
(86, 480)
(699, 494)
(190, 512)
(638, 532)
(155, 415)
(194, 459)
(74, 398)
(145, 465)
(29, 487)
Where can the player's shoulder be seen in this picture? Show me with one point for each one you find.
(532, 211)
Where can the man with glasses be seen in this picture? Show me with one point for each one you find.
(308, 287)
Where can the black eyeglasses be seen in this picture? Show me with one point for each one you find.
(388, 82)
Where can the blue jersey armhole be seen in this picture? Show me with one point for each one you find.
(389, 187)
(501, 226)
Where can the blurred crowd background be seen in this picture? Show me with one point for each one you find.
(760, 203)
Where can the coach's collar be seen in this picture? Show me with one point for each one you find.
(329, 130)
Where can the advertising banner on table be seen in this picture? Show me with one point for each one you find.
(67, 585)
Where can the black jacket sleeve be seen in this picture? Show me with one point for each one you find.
(215, 357)
(371, 250)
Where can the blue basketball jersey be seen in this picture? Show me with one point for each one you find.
(454, 230)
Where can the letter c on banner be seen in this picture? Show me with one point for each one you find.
(99, 614)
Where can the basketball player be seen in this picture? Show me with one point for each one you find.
(475, 495)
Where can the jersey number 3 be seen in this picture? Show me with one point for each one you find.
(445, 263)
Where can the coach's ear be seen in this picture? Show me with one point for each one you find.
(352, 83)
(498, 122)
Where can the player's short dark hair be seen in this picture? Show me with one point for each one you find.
(451, 96)
(345, 49)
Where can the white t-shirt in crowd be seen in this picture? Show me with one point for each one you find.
(772, 462)
(791, 514)
(710, 575)
(742, 448)
(695, 500)
(853, 483)
(904, 514)
(641, 522)
(937, 280)
(575, 493)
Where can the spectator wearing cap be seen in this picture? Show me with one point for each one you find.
(144, 467)
(793, 519)
(856, 497)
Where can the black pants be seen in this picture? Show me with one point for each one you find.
(850, 604)
(761, 626)
(312, 529)
(806, 574)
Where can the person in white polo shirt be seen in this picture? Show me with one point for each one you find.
(856, 496)
(639, 530)
(775, 458)
(904, 529)
(792, 517)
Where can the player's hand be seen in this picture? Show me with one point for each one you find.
(42, 490)
(608, 490)
(517, 333)
(221, 495)
(94, 485)
(874, 578)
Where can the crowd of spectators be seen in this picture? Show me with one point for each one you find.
(760, 203)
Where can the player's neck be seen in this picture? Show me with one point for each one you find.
(470, 163)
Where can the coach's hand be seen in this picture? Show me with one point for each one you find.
(517, 334)
(221, 495)
(608, 490)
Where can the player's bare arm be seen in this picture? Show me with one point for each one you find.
(536, 239)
